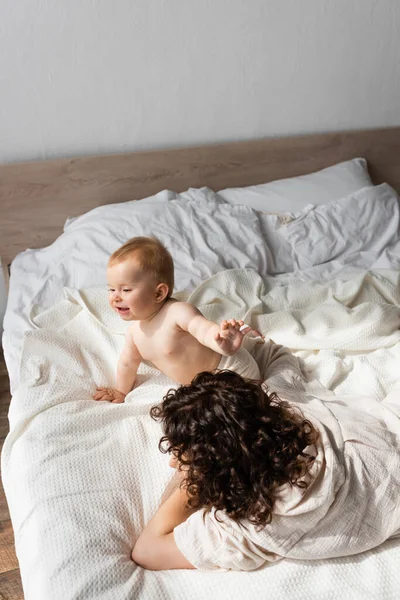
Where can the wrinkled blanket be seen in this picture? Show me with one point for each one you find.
(82, 478)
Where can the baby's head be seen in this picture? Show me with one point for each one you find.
(234, 443)
(140, 278)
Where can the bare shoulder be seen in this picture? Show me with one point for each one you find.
(183, 309)
(130, 333)
(182, 314)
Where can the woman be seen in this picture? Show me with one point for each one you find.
(263, 478)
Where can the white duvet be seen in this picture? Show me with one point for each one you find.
(205, 235)
(82, 478)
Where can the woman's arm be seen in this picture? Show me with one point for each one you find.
(155, 547)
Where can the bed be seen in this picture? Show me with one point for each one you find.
(312, 261)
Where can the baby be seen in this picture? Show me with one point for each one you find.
(172, 335)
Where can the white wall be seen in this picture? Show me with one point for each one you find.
(95, 76)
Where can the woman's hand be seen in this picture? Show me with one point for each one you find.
(109, 395)
(245, 329)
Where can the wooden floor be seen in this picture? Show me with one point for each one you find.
(10, 580)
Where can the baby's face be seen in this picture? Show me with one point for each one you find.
(132, 293)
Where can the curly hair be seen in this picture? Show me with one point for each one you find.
(237, 442)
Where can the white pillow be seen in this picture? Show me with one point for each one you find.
(111, 210)
(293, 194)
(204, 234)
(359, 226)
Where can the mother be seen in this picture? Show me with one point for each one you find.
(261, 478)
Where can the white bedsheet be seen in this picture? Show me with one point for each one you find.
(82, 477)
(76, 474)
(205, 235)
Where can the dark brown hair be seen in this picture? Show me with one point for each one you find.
(239, 443)
(151, 256)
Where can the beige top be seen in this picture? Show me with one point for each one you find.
(352, 503)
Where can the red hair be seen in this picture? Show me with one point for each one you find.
(151, 256)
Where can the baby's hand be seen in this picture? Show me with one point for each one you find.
(229, 338)
(109, 394)
(231, 335)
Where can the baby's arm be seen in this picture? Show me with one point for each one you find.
(225, 339)
(128, 365)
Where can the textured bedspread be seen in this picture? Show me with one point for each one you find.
(82, 478)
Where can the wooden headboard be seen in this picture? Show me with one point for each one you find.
(37, 197)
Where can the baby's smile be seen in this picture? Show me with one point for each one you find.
(122, 310)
